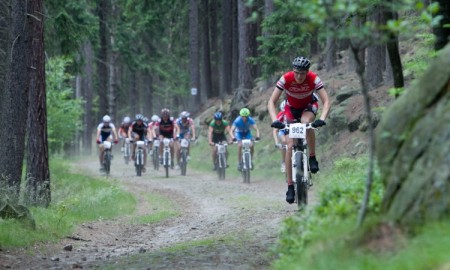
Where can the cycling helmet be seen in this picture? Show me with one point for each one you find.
(301, 63)
(145, 119)
(165, 111)
(127, 120)
(106, 119)
(218, 116)
(282, 105)
(139, 117)
(244, 112)
(155, 118)
(184, 114)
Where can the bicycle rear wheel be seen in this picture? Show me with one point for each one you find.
(155, 159)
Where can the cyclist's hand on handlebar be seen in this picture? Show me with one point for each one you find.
(211, 143)
(234, 140)
(277, 124)
(318, 123)
(257, 139)
(116, 141)
(98, 141)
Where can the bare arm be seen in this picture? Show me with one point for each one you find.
(272, 101)
(210, 131)
(230, 132)
(257, 130)
(323, 95)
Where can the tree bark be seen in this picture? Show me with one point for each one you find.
(194, 66)
(206, 52)
(14, 102)
(38, 173)
(235, 49)
(245, 49)
(102, 63)
(215, 75)
(375, 56)
(227, 47)
(87, 82)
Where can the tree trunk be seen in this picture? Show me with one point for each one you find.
(375, 57)
(206, 56)
(112, 62)
(134, 95)
(235, 49)
(148, 102)
(14, 101)
(215, 75)
(4, 45)
(88, 69)
(102, 63)
(330, 56)
(413, 148)
(227, 47)
(38, 173)
(194, 66)
(245, 49)
(441, 31)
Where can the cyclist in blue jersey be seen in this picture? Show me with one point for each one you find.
(242, 126)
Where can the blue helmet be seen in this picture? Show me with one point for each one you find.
(218, 116)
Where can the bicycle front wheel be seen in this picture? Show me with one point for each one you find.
(246, 169)
(107, 162)
(301, 185)
(183, 165)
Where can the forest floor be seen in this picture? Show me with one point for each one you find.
(221, 225)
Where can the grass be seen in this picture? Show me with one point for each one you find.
(75, 199)
(326, 237)
(162, 208)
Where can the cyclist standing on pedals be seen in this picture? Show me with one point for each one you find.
(167, 129)
(279, 136)
(241, 129)
(299, 86)
(186, 128)
(106, 131)
(138, 131)
(216, 134)
(123, 130)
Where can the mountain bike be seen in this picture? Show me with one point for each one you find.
(166, 155)
(127, 151)
(139, 157)
(301, 175)
(107, 157)
(155, 157)
(184, 143)
(221, 162)
(246, 161)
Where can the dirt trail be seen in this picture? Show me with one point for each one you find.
(248, 214)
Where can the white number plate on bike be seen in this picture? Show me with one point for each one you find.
(297, 131)
(156, 143)
(184, 143)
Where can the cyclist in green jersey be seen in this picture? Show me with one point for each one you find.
(216, 134)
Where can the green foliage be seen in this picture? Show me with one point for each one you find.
(340, 193)
(76, 199)
(63, 111)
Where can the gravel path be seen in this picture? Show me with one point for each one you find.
(222, 225)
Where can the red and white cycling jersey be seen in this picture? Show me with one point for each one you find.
(299, 95)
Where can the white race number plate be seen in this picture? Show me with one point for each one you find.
(297, 131)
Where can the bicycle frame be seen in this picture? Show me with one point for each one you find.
(166, 155)
(156, 144)
(246, 159)
(184, 144)
(300, 162)
(139, 158)
(221, 162)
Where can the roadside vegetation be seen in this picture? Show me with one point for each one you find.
(76, 198)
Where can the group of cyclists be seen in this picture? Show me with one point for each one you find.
(302, 90)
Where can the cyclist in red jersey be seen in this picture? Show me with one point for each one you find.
(299, 86)
(167, 129)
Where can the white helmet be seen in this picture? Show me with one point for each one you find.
(282, 105)
(184, 114)
(106, 119)
(127, 120)
(155, 118)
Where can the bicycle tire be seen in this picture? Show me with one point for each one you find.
(183, 165)
(302, 187)
(246, 168)
(107, 162)
(156, 159)
(127, 154)
(166, 164)
(138, 163)
(222, 166)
